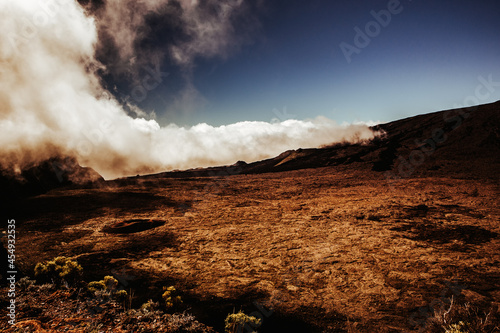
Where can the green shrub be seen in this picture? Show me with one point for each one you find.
(461, 327)
(110, 282)
(94, 286)
(107, 287)
(121, 295)
(170, 297)
(149, 306)
(236, 322)
(58, 270)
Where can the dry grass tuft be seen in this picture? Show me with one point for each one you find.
(463, 318)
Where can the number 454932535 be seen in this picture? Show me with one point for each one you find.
(11, 240)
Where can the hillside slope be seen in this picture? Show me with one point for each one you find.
(460, 141)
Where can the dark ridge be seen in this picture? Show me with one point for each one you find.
(40, 178)
(459, 141)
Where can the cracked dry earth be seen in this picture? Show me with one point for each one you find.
(322, 247)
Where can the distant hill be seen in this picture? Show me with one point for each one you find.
(40, 178)
(462, 142)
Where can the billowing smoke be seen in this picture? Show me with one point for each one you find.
(137, 33)
(52, 103)
(134, 35)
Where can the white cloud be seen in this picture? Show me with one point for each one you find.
(51, 102)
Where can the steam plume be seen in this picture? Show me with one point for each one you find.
(183, 29)
(52, 103)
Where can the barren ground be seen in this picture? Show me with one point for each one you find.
(325, 248)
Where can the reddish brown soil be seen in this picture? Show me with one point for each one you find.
(320, 246)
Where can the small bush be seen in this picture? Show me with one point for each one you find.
(94, 286)
(107, 288)
(170, 297)
(58, 270)
(25, 283)
(149, 306)
(236, 322)
(461, 327)
(462, 318)
(185, 323)
(110, 282)
(46, 287)
(121, 296)
(102, 296)
(135, 318)
(140, 320)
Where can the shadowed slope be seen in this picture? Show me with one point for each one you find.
(454, 141)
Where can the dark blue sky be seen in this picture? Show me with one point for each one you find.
(429, 57)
